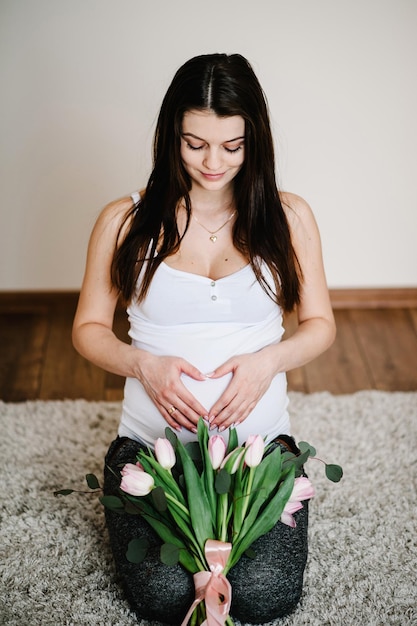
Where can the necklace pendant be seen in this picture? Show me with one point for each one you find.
(213, 238)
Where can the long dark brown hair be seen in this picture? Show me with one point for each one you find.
(226, 85)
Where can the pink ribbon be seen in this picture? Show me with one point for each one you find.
(212, 586)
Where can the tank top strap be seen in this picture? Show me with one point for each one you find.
(135, 197)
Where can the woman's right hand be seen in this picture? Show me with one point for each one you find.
(161, 379)
(93, 336)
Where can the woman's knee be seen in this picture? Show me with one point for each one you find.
(270, 585)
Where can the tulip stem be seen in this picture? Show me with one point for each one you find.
(222, 517)
(178, 504)
(245, 499)
(199, 557)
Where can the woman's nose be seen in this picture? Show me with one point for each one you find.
(212, 159)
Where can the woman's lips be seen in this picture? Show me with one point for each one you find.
(212, 176)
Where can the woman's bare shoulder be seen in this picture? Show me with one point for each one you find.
(114, 219)
(116, 211)
(295, 207)
(301, 220)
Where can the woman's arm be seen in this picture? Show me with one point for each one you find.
(92, 332)
(316, 326)
(94, 338)
(253, 373)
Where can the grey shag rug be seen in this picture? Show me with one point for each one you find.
(55, 563)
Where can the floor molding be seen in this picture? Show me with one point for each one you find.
(389, 298)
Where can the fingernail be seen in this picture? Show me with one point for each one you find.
(222, 428)
(209, 374)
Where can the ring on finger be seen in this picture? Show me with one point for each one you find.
(171, 410)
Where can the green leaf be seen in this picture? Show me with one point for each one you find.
(193, 450)
(207, 474)
(265, 522)
(162, 477)
(170, 554)
(250, 553)
(268, 476)
(112, 502)
(171, 436)
(233, 440)
(132, 508)
(304, 447)
(296, 460)
(169, 534)
(334, 472)
(232, 460)
(137, 549)
(268, 473)
(159, 499)
(198, 504)
(63, 492)
(223, 481)
(92, 481)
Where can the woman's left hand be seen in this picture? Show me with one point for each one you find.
(252, 376)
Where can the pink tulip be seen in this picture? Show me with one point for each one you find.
(287, 514)
(164, 453)
(255, 447)
(130, 467)
(232, 461)
(135, 481)
(302, 490)
(216, 450)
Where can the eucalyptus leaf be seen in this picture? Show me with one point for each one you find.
(132, 508)
(223, 481)
(287, 456)
(63, 492)
(92, 481)
(334, 472)
(169, 554)
(297, 460)
(250, 553)
(193, 450)
(304, 447)
(112, 502)
(137, 550)
(159, 499)
(171, 436)
(169, 534)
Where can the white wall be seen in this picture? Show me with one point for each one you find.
(82, 80)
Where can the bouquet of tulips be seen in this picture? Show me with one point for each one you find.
(209, 501)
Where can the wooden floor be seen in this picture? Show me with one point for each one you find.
(375, 348)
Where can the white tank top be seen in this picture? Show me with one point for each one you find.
(205, 322)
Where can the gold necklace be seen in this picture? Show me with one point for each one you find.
(213, 233)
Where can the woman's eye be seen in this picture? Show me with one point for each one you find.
(233, 149)
(189, 145)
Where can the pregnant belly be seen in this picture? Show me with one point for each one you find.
(208, 391)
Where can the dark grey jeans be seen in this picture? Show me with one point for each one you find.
(264, 588)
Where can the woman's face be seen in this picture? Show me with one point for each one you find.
(212, 148)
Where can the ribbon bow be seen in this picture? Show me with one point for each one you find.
(212, 586)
